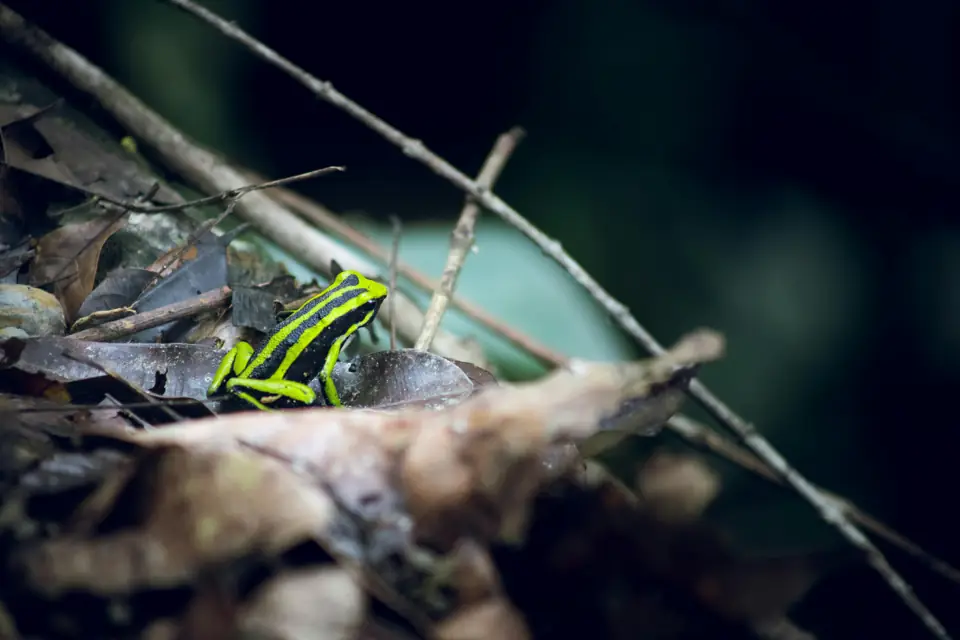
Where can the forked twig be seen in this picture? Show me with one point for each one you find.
(226, 195)
(461, 238)
(716, 407)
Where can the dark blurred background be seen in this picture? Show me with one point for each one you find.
(786, 172)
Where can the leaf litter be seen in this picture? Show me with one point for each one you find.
(417, 505)
(439, 502)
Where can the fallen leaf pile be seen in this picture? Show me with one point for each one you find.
(439, 502)
(477, 519)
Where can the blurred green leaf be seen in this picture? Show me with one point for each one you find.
(514, 281)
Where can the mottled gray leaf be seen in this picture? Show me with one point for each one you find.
(186, 369)
(254, 308)
(407, 377)
(204, 272)
(119, 289)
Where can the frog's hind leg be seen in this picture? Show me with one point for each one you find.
(232, 364)
(296, 391)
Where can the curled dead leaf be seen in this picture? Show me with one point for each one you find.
(194, 514)
(67, 260)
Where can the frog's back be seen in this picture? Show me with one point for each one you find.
(299, 344)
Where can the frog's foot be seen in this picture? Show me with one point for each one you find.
(296, 391)
(233, 364)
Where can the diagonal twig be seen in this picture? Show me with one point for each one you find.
(717, 408)
(461, 238)
(700, 435)
(116, 329)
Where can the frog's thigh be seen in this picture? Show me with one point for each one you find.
(241, 356)
(286, 388)
(224, 369)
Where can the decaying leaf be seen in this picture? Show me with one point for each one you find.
(26, 149)
(599, 563)
(285, 524)
(254, 308)
(34, 436)
(408, 378)
(78, 153)
(119, 289)
(203, 267)
(172, 370)
(67, 259)
(14, 257)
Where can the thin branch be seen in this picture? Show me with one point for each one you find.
(717, 408)
(825, 506)
(226, 195)
(394, 259)
(461, 239)
(71, 408)
(702, 436)
(210, 174)
(154, 318)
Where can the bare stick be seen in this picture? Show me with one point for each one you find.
(718, 409)
(703, 437)
(148, 319)
(461, 239)
(224, 196)
(210, 174)
(394, 258)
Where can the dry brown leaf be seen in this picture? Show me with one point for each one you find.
(677, 488)
(322, 603)
(197, 514)
(26, 148)
(370, 486)
(67, 258)
(491, 619)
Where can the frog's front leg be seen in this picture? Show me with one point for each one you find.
(296, 391)
(232, 364)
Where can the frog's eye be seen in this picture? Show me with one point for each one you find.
(354, 365)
